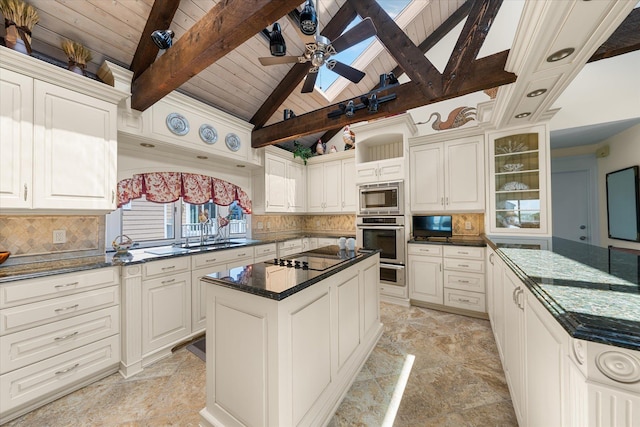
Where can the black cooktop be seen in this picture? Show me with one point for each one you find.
(309, 262)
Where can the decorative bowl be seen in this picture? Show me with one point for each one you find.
(514, 186)
(512, 167)
(4, 255)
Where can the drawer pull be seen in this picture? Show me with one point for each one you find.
(58, 310)
(168, 281)
(66, 285)
(64, 371)
(463, 281)
(168, 268)
(211, 260)
(66, 337)
(243, 254)
(463, 265)
(463, 300)
(463, 253)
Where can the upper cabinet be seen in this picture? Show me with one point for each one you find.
(330, 183)
(518, 187)
(447, 176)
(381, 149)
(281, 186)
(59, 130)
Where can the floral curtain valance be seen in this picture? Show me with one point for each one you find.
(166, 187)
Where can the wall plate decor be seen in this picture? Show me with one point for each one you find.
(177, 124)
(512, 167)
(514, 186)
(208, 134)
(233, 141)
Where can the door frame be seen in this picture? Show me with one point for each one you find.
(589, 164)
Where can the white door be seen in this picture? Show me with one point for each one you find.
(315, 188)
(574, 199)
(276, 184)
(425, 279)
(297, 187)
(349, 188)
(427, 177)
(464, 171)
(332, 186)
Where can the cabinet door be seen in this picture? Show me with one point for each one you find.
(367, 173)
(332, 186)
(513, 361)
(464, 175)
(427, 177)
(425, 279)
(16, 140)
(391, 169)
(349, 188)
(297, 187)
(315, 185)
(75, 147)
(495, 299)
(166, 308)
(276, 196)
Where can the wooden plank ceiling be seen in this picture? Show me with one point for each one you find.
(217, 45)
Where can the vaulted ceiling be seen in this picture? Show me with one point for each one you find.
(217, 44)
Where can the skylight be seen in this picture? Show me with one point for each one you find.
(327, 78)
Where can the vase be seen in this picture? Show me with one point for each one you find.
(18, 46)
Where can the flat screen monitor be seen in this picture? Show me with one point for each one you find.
(425, 226)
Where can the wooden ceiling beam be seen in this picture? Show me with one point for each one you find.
(160, 18)
(409, 57)
(471, 38)
(484, 73)
(332, 30)
(625, 39)
(225, 27)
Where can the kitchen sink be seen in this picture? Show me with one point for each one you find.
(167, 251)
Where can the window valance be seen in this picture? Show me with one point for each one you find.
(166, 187)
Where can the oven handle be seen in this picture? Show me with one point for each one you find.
(381, 227)
(392, 266)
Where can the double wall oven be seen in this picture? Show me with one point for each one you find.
(380, 225)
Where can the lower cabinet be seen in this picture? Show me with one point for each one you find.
(425, 273)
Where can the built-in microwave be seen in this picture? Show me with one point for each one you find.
(382, 199)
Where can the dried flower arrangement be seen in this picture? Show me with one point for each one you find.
(19, 20)
(77, 54)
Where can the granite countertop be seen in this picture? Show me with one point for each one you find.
(452, 241)
(70, 265)
(593, 292)
(278, 282)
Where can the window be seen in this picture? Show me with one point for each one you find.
(153, 224)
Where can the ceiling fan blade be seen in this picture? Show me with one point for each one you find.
(276, 60)
(310, 81)
(346, 71)
(362, 31)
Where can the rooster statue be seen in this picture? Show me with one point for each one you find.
(349, 138)
(457, 118)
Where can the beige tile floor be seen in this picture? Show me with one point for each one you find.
(456, 380)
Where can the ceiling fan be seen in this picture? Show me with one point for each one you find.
(322, 49)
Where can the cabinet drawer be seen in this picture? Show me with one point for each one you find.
(32, 290)
(167, 266)
(393, 291)
(216, 257)
(466, 252)
(30, 383)
(430, 250)
(464, 265)
(290, 244)
(36, 344)
(262, 250)
(464, 281)
(27, 316)
(463, 299)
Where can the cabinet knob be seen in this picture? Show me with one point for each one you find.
(442, 201)
(25, 192)
(113, 196)
(583, 237)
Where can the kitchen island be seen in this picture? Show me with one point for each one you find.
(286, 338)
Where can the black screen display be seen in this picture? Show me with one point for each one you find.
(432, 226)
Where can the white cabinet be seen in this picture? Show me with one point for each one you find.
(448, 175)
(324, 187)
(290, 247)
(514, 298)
(518, 187)
(380, 171)
(284, 184)
(349, 187)
(265, 252)
(425, 273)
(495, 297)
(63, 126)
(57, 334)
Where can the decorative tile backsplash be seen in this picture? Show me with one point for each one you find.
(476, 221)
(271, 225)
(30, 235)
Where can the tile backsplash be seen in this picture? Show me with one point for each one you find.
(475, 220)
(31, 235)
(271, 225)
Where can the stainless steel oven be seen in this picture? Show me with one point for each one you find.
(381, 199)
(385, 233)
(392, 274)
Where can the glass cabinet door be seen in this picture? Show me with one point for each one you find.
(518, 187)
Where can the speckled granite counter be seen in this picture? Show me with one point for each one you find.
(253, 278)
(452, 241)
(593, 292)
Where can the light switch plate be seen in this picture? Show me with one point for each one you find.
(467, 225)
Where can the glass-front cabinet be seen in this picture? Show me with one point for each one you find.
(518, 185)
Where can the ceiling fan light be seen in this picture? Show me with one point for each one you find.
(277, 44)
(317, 59)
(163, 38)
(308, 19)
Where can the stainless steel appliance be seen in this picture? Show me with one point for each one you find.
(387, 234)
(382, 199)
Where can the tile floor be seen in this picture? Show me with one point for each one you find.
(456, 380)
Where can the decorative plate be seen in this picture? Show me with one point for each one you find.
(512, 147)
(514, 186)
(208, 134)
(177, 124)
(512, 167)
(233, 141)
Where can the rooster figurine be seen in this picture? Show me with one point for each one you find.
(349, 138)
(457, 118)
